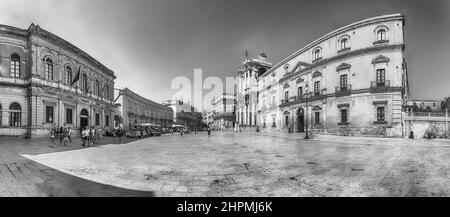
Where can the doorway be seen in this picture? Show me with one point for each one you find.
(84, 118)
(300, 120)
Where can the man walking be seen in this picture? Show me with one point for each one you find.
(69, 133)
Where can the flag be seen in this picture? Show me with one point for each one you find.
(77, 77)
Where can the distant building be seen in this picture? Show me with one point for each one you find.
(185, 114)
(135, 109)
(224, 111)
(425, 105)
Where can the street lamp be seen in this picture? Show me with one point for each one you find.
(307, 94)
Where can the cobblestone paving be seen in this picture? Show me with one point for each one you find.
(250, 164)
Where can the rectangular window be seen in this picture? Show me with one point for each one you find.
(97, 119)
(300, 92)
(343, 82)
(286, 96)
(15, 67)
(286, 120)
(69, 116)
(317, 118)
(380, 77)
(317, 88)
(49, 114)
(344, 116)
(107, 120)
(380, 114)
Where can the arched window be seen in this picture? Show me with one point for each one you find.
(48, 69)
(106, 94)
(286, 68)
(97, 87)
(317, 54)
(84, 83)
(344, 43)
(69, 75)
(15, 66)
(15, 115)
(381, 35)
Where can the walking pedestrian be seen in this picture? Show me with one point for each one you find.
(69, 133)
(91, 136)
(60, 133)
(65, 136)
(209, 131)
(120, 133)
(52, 135)
(84, 135)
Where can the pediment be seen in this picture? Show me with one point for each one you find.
(317, 74)
(343, 66)
(380, 59)
(286, 86)
(317, 108)
(300, 80)
(299, 66)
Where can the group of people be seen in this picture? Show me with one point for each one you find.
(63, 134)
(91, 135)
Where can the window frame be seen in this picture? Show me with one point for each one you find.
(49, 69)
(381, 77)
(344, 43)
(15, 115)
(14, 66)
(381, 34)
(381, 116)
(84, 83)
(317, 88)
(300, 92)
(68, 74)
(317, 118)
(48, 115)
(344, 118)
(69, 118)
(97, 119)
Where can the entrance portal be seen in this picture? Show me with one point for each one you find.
(300, 120)
(84, 121)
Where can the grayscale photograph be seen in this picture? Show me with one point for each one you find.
(224, 99)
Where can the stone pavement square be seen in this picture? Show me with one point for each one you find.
(258, 164)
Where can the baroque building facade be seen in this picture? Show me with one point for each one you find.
(185, 114)
(224, 111)
(47, 82)
(351, 81)
(136, 110)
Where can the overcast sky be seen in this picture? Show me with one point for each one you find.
(148, 43)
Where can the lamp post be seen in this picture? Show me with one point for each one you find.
(306, 110)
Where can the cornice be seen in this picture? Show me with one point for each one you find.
(340, 57)
(358, 24)
(37, 31)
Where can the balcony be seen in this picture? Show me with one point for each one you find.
(318, 95)
(379, 87)
(343, 90)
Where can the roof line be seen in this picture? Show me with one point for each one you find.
(330, 34)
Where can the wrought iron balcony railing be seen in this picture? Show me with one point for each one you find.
(343, 90)
(379, 86)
